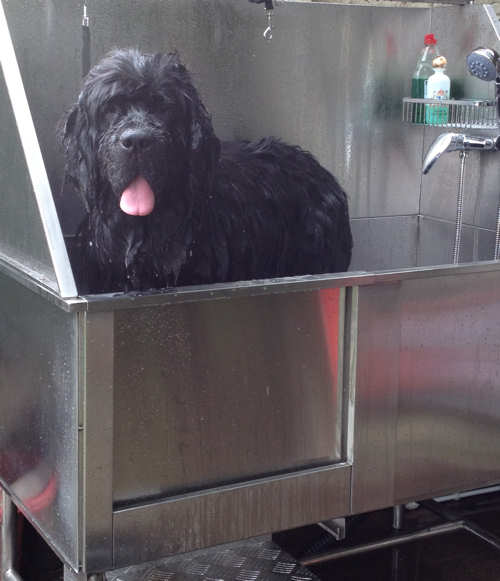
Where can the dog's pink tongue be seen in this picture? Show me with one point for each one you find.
(138, 198)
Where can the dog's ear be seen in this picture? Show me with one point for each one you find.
(204, 148)
(76, 137)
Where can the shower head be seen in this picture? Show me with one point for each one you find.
(483, 63)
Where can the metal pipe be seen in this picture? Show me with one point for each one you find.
(460, 210)
(482, 534)
(467, 494)
(444, 512)
(9, 516)
(395, 564)
(382, 544)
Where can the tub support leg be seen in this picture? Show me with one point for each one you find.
(397, 517)
(70, 575)
(9, 517)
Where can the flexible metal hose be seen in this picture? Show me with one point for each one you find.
(497, 236)
(460, 209)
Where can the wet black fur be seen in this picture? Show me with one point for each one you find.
(224, 211)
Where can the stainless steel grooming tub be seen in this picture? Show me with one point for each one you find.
(135, 427)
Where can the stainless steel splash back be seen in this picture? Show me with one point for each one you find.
(227, 390)
(47, 40)
(331, 80)
(39, 413)
(27, 171)
(21, 231)
(437, 237)
(459, 31)
(374, 247)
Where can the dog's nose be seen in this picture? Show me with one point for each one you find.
(135, 139)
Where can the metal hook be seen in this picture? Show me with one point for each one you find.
(85, 19)
(268, 33)
(85, 41)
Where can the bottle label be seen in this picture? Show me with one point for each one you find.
(440, 94)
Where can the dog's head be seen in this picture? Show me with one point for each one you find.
(139, 136)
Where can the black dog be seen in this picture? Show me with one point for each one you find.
(168, 204)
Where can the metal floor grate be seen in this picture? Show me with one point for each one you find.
(257, 559)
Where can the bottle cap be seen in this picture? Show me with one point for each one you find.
(439, 62)
(430, 39)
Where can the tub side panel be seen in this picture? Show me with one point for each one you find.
(448, 436)
(427, 419)
(216, 392)
(221, 515)
(376, 399)
(39, 413)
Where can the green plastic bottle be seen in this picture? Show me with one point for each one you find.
(422, 72)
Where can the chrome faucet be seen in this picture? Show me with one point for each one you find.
(458, 142)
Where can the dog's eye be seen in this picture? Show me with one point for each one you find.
(158, 104)
(114, 108)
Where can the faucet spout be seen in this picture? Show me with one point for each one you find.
(457, 142)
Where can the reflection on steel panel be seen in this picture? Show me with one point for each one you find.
(219, 391)
(38, 413)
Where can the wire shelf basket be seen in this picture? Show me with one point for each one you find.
(466, 114)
